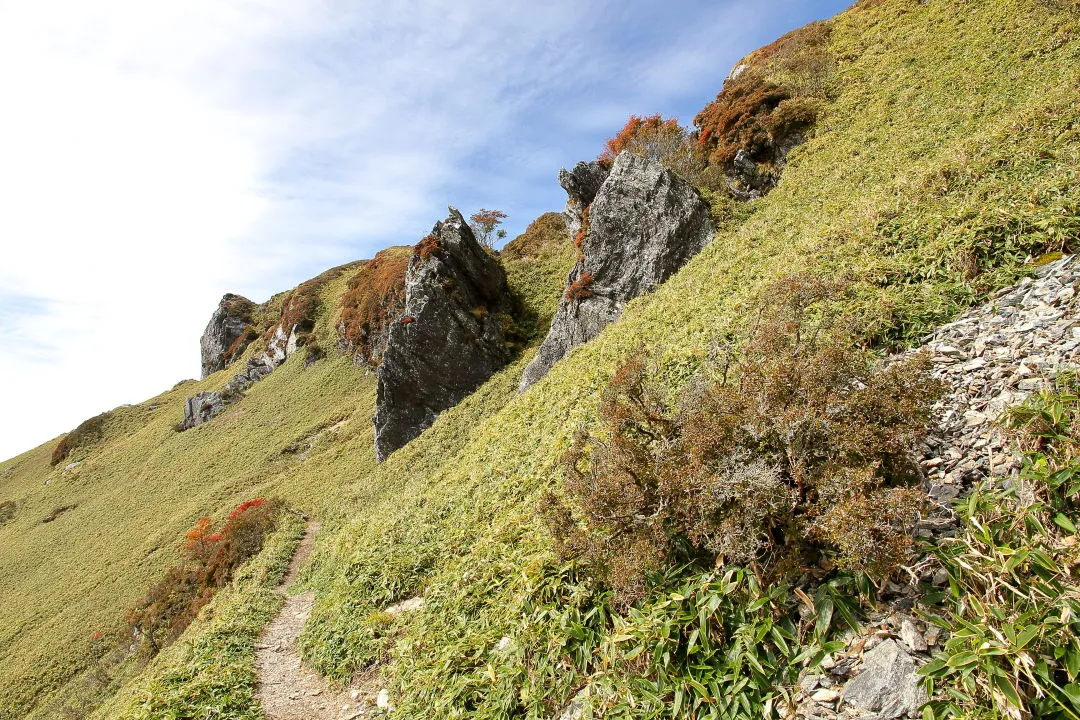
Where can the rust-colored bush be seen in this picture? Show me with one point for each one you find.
(769, 100)
(796, 450)
(210, 557)
(86, 434)
(375, 295)
(580, 288)
(429, 245)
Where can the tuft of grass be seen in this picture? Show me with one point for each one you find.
(1012, 610)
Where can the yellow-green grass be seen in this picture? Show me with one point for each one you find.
(301, 434)
(948, 153)
(947, 157)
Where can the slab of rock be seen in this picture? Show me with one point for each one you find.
(581, 185)
(201, 408)
(888, 685)
(226, 335)
(453, 336)
(644, 223)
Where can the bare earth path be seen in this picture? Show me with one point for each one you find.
(287, 689)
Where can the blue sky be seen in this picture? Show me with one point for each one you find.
(154, 156)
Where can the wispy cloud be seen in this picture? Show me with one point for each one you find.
(155, 155)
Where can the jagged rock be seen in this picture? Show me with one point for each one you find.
(454, 334)
(201, 408)
(887, 685)
(644, 224)
(581, 185)
(227, 333)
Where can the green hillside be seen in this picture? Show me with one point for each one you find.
(945, 156)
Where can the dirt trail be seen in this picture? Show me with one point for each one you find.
(287, 689)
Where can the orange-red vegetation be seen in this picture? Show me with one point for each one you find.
(427, 247)
(766, 100)
(580, 288)
(650, 136)
(209, 559)
(375, 295)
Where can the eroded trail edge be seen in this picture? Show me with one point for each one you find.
(287, 689)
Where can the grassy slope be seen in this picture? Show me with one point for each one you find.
(952, 132)
(137, 492)
(952, 140)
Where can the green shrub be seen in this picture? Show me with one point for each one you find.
(795, 451)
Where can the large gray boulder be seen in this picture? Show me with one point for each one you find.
(455, 333)
(644, 223)
(227, 333)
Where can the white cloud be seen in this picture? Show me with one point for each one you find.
(154, 155)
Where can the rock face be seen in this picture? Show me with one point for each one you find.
(454, 334)
(227, 333)
(643, 224)
(581, 185)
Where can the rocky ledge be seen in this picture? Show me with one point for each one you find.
(457, 330)
(636, 229)
(227, 334)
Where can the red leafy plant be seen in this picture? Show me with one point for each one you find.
(210, 557)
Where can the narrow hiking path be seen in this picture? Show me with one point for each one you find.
(287, 689)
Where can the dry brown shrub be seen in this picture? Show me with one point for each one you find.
(796, 450)
(580, 288)
(375, 295)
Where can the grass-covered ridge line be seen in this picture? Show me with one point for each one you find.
(947, 157)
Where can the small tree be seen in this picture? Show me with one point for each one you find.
(484, 223)
(652, 137)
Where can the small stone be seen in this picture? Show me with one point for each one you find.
(825, 695)
(911, 636)
(941, 577)
(382, 700)
(973, 417)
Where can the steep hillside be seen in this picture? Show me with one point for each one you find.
(942, 159)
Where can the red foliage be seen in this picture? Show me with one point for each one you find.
(580, 288)
(375, 296)
(210, 560)
(652, 130)
(483, 223)
(406, 320)
(427, 247)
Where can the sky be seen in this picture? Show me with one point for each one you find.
(156, 155)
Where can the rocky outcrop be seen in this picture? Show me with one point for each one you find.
(227, 334)
(455, 333)
(644, 223)
(581, 185)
